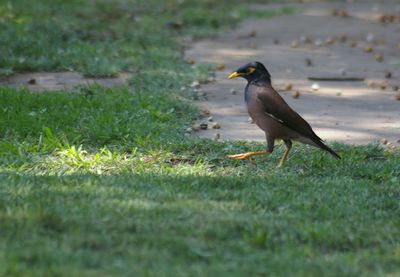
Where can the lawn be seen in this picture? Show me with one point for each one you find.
(104, 182)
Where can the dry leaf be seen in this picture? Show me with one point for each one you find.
(295, 94)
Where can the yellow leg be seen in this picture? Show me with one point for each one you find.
(247, 155)
(286, 153)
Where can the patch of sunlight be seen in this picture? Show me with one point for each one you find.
(7, 14)
(202, 205)
(140, 204)
(76, 159)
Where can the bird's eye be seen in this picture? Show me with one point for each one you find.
(250, 70)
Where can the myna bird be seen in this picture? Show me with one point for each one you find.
(272, 114)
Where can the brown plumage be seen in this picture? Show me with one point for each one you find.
(272, 114)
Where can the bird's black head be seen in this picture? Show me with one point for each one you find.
(254, 71)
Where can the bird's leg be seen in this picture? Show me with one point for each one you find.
(288, 144)
(248, 155)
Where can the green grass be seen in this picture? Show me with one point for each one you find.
(104, 37)
(104, 182)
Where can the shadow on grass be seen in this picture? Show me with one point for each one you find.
(214, 224)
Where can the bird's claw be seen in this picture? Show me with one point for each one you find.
(241, 156)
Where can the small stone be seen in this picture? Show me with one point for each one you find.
(370, 37)
(384, 141)
(253, 33)
(205, 112)
(315, 87)
(295, 94)
(343, 72)
(395, 87)
(195, 84)
(371, 83)
(334, 12)
(210, 118)
(250, 120)
(329, 41)
(288, 86)
(211, 79)
(203, 126)
(276, 42)
(190, 61)
(397, 96)
(305, 39)
(342, 37)
(216, 125)
(382, 86)
(220, 66)
(388, 74)
(233, 91)
(308, 62)
(189, 130)
(368, 49)
(32, 82)
(353, 43)
(216, 136)
(343, 13)
(295, 44)
(379, 57)
(318, 42)
(196, 127)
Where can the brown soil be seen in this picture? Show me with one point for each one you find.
(50, 81)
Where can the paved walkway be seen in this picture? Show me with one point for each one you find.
(350, 112)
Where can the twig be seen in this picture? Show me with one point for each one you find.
(340, 79)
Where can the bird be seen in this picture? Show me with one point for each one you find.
(273, 115)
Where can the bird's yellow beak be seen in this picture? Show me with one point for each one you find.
(233, 75)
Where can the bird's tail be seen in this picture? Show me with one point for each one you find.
(326, 148)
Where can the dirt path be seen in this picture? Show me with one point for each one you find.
(350, 112)
(50, 81)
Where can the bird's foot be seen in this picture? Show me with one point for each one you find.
(248, 155)
(242, 156)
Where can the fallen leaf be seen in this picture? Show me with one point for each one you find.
(220, 66)
(295, 94)
(288, 86)
(368, 49)
(379, 57)
(216, 125)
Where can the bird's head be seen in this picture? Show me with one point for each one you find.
(254, 71)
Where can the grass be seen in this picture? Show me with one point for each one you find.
(104, 182)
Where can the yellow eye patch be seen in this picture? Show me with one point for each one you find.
(250, 70)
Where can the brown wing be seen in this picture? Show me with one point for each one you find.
(277, 108)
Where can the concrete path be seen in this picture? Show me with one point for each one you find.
(350, 112)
